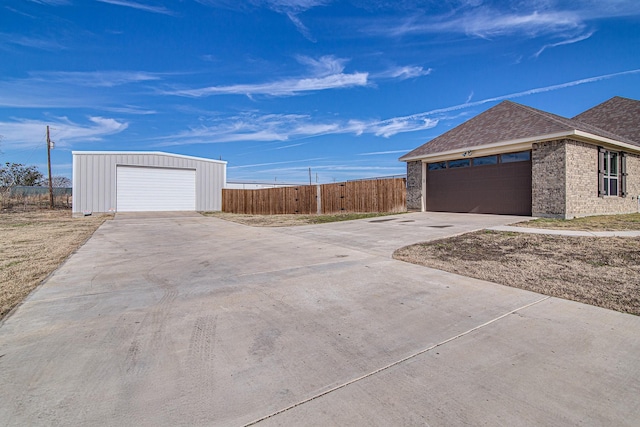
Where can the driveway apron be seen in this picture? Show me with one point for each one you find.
(186, 320)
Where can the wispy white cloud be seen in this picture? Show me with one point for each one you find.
(302, 29)
(26, 133)
(403, 73)
(516, 95)
(292, 9)
(26, 93)
(130, 109)
(326, 73)
(289, 127)
(380, 153)
(52, 2)
(65, 89)
(488, 23)
(290, 146)
(48, 44)
(72, 90)
(140, 6)
(493, 19)
(469, 98)
(255, 165)
(95, 78)
(324, 66)
(564, 42)
(274, 127)
(390, 127)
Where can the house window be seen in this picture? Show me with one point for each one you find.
(521, 156)
(436, 166)
(612, 173)
(462, 163)
(486, 160)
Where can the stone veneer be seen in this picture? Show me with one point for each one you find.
(414, 186)
(565, 181)
(548, 186)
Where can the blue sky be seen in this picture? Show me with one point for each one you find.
(279, 86)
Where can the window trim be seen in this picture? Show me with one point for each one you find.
(605, 177)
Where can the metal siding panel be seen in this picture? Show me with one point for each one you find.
(95, 180)
(86, 190)
(88, 206)
(99, 184)
(108, 178)
(76, 182)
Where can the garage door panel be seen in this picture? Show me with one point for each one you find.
(142, 189)
(498, 189)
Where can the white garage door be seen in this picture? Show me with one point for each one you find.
(141, 189)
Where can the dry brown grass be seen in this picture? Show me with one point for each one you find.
(32, 245)
(601, 271)
(589, 223)
(285, 220)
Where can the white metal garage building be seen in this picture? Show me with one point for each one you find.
(112, 181)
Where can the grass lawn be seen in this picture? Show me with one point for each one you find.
(589, 223)
(601, 271)
(32, 245)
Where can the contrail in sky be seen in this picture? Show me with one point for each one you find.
(511, 95)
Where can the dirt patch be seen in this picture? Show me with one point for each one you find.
(601, 271)
(32, 245)
(291, 220)
(590, 223)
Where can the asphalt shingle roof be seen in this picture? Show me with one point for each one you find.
(618, 119)
(620, 116)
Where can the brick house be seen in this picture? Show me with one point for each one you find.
(514, 159)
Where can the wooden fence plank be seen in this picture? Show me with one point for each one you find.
(380, 195)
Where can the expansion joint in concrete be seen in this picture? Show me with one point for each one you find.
(396, 363)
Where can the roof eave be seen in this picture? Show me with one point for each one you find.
(512, 144)
(607, 141)
(157, 153)
(524, 143)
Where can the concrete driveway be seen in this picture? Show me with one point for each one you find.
(188, 320)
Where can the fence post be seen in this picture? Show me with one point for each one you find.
(319, 199)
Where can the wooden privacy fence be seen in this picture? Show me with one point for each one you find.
(376, 195)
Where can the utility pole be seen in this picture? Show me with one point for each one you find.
(310, 183)
(49, 146)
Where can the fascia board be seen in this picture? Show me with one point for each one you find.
(157, 153)
(521, 144)
(498, 147)
(607, 141)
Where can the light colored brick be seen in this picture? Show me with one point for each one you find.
(565, 181)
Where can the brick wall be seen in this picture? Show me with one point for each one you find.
(582, 183)
(548, 179)
(565, 181)
(414, 186)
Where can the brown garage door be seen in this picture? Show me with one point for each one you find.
(503, 188)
